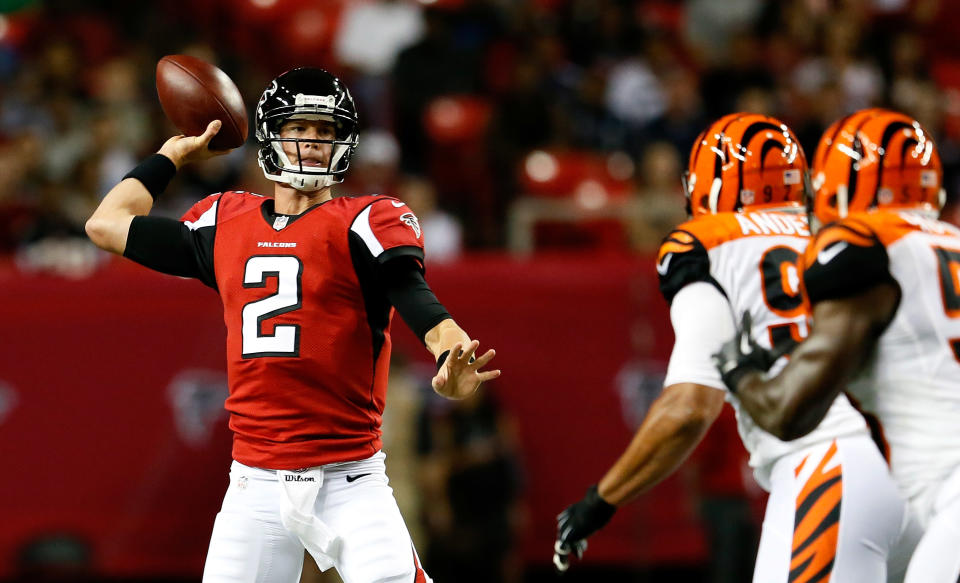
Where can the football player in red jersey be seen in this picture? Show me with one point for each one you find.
(309, 283)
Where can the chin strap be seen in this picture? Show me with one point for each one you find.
(307, 183)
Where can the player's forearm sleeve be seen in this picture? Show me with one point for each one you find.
(409, 293)
(168, 246)
(702, 322)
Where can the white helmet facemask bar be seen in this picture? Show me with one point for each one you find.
(295, 173)
(303, 177)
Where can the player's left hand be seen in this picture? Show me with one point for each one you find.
(460, 375)
(576, 523)
(741, 356)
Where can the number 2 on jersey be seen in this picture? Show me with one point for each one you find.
(285, 339)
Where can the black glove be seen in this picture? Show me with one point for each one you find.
(741, 355)
(576, 523)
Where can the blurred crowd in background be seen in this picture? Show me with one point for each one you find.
(512, 125)
(507, 124)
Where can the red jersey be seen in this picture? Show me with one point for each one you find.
(308, 340)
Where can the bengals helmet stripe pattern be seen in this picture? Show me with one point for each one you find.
(720, 158)
(875, 158)
(698, 143)
(892, 128)
(768, 145)
(853, 171)
(829, 136)
(744, 160)
(817, 522)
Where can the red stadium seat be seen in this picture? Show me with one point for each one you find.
(572, 198)
(456, 128)
(946, 73)
(575, 174)
(457, 119)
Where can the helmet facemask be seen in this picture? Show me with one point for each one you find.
(278, 166)
(312, 95)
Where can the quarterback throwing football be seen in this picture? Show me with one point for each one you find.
(309, 283)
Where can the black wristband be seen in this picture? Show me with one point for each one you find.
(155, 173)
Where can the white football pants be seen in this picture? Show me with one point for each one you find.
(937, 558)
(343, 514)
(834, 514)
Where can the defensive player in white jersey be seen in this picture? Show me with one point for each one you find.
(833, 513)
(883, 279)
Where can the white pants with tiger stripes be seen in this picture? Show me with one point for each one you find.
(834, 514)
(343, 514)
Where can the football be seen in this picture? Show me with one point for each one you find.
(193, 93)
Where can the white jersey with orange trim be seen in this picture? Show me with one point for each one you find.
(753, 259)
(912, 384)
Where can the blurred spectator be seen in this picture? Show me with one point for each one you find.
(756, 100)
(709, 26)
(660, 201)
(724, 85)
(605, 75)
(585, 122)
(371, 34)
(524, 121)
(370, 37)
(442, 233)
(374, 168)
(597, 31)
(470, 485)
(684, 117)
(19, 204)
(859, 80)
(433, 66)
(634, 93)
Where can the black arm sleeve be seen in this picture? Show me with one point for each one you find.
(169, 246)
(409, 293)
(683, 260)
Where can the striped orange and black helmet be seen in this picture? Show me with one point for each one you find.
(744, 160)
(875, 158)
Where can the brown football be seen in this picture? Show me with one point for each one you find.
(193, 93)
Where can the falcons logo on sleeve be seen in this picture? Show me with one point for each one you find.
(410, 220)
